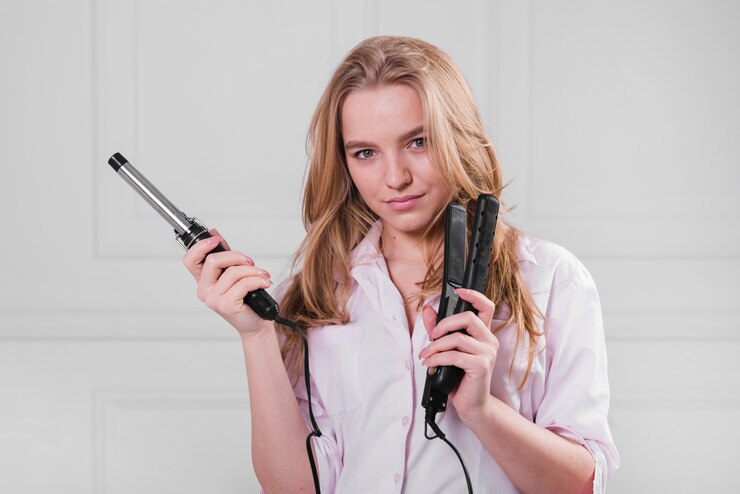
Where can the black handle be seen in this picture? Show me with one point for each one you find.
(259, 300)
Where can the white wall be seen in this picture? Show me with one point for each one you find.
(617, 122)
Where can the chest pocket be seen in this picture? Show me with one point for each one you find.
(335, 366)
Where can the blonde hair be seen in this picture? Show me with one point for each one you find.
(336, 218)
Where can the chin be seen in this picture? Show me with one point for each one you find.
(413, 223)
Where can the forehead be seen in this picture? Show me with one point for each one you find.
(390, 108)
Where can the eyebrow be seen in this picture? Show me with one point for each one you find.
(366, 144)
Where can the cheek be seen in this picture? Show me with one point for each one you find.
(435, 181)
(362, 183)
(354, 175)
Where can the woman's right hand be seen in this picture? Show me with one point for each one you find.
(224, 279)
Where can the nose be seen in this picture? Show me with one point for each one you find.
(397, 172)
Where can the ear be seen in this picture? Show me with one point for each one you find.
(429, 316)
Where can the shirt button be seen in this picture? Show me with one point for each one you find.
(407, 365)
(405, 421)
(397, 477)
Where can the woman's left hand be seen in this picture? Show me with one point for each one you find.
(474, 352)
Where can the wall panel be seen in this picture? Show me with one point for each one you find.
(617, 129)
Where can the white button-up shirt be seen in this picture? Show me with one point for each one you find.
(367, 382)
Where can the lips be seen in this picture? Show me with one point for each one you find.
(404, 198)
(404, 203)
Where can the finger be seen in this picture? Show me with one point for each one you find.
(234, 274)
(467, 321)
(455, 341)
(474, 366)
(454, 358)
(224, 243)
(194, 257)
(233, 300)
(215, 263)
(241, 288)
(480, 302)
(429, 316)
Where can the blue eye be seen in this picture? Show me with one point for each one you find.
(419, 142)
(364, 154)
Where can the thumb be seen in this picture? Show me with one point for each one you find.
(429, 316)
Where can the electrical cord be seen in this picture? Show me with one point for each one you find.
(315, 432)
(430, 420)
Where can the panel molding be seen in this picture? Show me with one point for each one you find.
(120, 230)
(622, 326)
(667, 398)
(607, 237)
(653, 325)
(102, 325)
(106, 400)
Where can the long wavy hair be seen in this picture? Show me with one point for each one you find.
(336, 218)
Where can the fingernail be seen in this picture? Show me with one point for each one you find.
(269, 281)
(265, 274)
(250, 261)
(214, 240)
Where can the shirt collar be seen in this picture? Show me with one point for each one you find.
(368, 250)
(524, 250)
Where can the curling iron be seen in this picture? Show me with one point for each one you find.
(188, 232)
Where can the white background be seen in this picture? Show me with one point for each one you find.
(617, 124)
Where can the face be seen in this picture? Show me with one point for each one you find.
(386, 153)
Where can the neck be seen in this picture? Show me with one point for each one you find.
(399, 247)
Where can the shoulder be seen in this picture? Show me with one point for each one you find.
(547, 265)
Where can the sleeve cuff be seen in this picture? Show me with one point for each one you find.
(328, 464)
(600, 467)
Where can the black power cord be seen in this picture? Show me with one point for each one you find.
(430, 421)
(315, 432)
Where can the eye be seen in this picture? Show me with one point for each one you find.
(364, 154)
(418, 143)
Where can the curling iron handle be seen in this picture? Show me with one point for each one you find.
(259, 300)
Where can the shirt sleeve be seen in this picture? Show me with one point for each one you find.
(328, 457)
(576, 399)
(326, 449)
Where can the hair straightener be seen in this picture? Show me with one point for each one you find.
(473, 274)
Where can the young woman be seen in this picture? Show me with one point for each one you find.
(395, 138)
